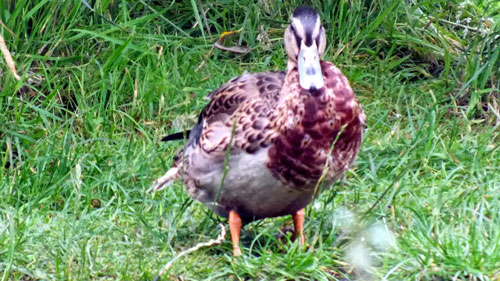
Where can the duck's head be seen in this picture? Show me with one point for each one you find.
(305, 42)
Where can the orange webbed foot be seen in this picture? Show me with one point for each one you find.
(298, 226)
(235, 228)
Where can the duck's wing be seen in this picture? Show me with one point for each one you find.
(237, 117)
(238, 114)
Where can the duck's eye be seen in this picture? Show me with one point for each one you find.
(292, 28)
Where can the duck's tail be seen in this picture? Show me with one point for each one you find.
(177, 136)
(165, 181)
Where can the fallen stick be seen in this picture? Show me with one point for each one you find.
(212, 242)
(8, 58)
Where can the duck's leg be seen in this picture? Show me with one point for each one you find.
(235, 228)
(298, 226)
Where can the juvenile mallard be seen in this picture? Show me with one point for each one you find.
(276, 131)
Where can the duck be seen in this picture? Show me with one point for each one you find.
(267, 144)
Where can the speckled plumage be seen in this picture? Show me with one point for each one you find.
(284, 133)
(267, 143)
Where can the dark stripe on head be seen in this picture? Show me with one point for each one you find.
(318, 39)
(308, 17)
(304, 11)
(297, 37)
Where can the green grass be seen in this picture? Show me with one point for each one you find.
(101, 84)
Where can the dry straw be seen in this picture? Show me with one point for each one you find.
(8, 58)
(209, 243)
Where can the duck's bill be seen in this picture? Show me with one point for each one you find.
(310, 75)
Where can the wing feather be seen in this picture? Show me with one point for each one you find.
(247, 102)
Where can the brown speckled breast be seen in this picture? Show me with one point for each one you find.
(310, 125)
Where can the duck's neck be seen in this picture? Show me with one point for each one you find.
(291, 108)
(290, 66)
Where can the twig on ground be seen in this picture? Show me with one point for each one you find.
(8, 58)
(209, 243)
(6, 28)
(475, 29)
(219, 44)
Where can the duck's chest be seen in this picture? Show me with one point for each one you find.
(317, 135)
